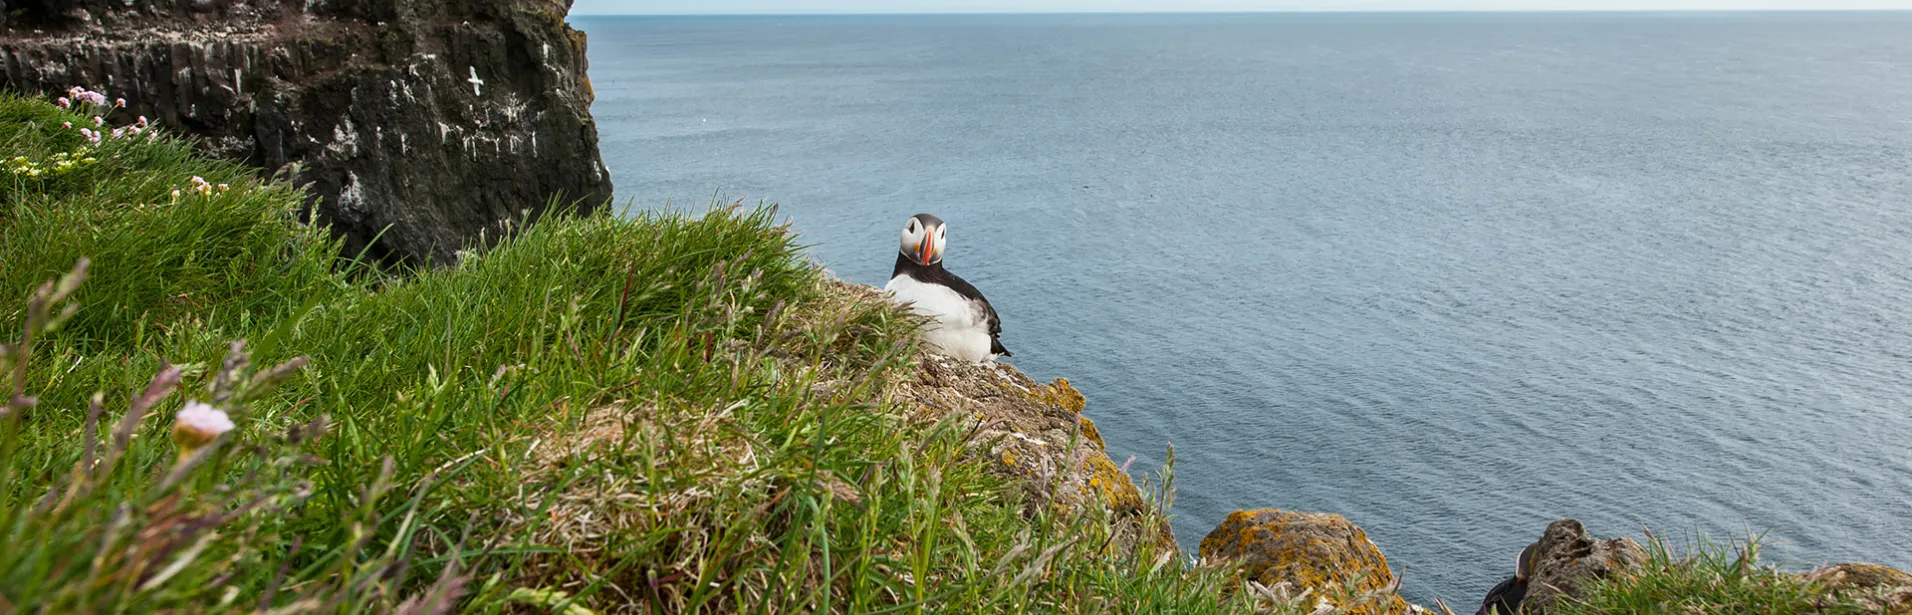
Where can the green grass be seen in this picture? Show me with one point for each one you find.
(1713, 579)
(661, 413)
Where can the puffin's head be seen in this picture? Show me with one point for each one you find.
(1524, 566)
(923, 239)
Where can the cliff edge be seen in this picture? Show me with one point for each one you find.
(417, 126)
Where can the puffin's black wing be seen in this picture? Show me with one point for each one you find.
(995, 332)
(938, 275)
(1504, 599)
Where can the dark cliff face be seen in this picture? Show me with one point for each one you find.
(440, 119)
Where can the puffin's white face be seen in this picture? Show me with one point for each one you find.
(924, 238)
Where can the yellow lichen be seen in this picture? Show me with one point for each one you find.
(1325, 553)
(1090, 433)
(1059, 394)
(1114, 487)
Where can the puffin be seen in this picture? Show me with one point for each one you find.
(1504, 599)
(963, 324)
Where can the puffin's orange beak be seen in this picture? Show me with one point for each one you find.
(926, 249)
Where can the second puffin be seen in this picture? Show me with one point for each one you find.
(965, 326)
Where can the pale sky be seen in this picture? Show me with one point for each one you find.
(601, 7)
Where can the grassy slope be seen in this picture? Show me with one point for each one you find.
(617, 413)
(1713, 579)
(600, 411)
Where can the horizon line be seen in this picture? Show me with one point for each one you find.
(1245, 12)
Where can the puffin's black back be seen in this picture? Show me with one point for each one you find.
(1504, 599)
(934, 273)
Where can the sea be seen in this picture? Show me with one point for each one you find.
(1450, 275)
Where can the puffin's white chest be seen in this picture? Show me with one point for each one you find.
(961, 328)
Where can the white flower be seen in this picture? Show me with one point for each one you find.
(197, 425)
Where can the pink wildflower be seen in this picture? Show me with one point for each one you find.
(66, 124)
(64, 103)
(119, 102)
(119, 132)
(98, 121)
(197, 425)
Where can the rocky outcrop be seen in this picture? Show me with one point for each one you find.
(1567, 559)
(1878, 588)
(417, 125)
(1035, 436)
(1315, 558)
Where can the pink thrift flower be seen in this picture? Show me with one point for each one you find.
(64, 103)
(75, 91)
(97, 121)
(197, 425)
(119, 102)
(66, 124)
(119, 132)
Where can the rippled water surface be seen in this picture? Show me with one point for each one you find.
(1452, 276)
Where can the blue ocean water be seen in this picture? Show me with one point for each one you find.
(1450, 275)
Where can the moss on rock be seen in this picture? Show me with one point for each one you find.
(1317, 552)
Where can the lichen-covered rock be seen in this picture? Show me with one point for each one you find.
(1566, 558)
(1880, 588)
(422, 123)
(1324, 554)
(1035, 435)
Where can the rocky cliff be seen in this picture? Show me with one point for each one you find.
(1035, 436)
(416, 125)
